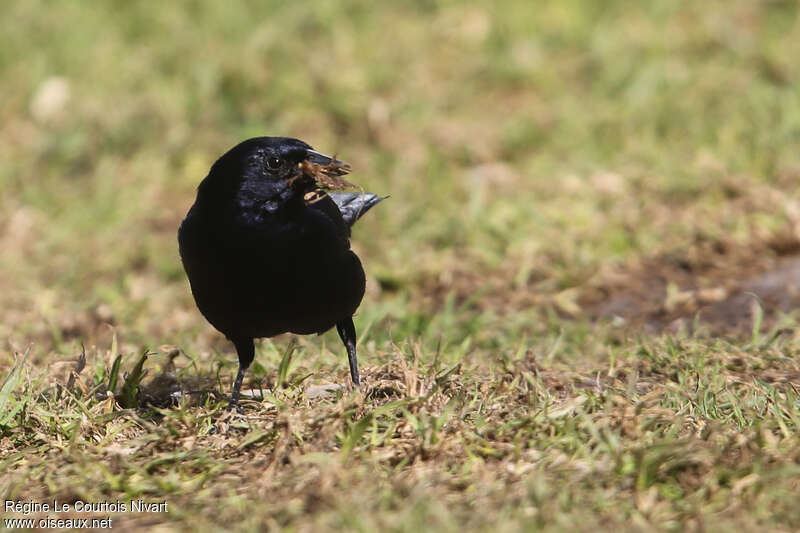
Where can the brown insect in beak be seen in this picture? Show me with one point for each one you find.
(327, 176)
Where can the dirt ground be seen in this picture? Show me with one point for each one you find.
(716, 285)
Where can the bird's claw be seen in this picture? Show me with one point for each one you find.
(232, 419)
(234, 407)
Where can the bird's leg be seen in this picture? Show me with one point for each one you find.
(347, 332)
(246, 351)
(237, 385)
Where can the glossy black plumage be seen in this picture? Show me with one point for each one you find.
(267, 253)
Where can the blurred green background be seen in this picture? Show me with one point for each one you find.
(524, 145)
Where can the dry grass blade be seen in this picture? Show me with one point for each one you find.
(80, 364)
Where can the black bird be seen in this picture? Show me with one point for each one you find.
(267, 252)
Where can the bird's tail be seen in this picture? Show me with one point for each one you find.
(354, 204)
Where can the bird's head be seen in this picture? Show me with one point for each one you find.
(267, 172)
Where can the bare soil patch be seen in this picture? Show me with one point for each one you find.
(720, 285)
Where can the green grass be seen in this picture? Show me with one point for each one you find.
(529, 148)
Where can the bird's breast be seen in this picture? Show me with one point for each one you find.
(274, 277)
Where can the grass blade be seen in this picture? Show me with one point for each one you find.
(129, 395)
(10, 385)
(113, 376)
(286, 360)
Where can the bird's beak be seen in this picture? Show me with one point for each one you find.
(330, 164)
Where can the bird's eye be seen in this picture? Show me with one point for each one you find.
(273, 162)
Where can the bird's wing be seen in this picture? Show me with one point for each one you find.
(354, 204)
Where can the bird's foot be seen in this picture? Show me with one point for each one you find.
(234, 406)
(232, 419)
